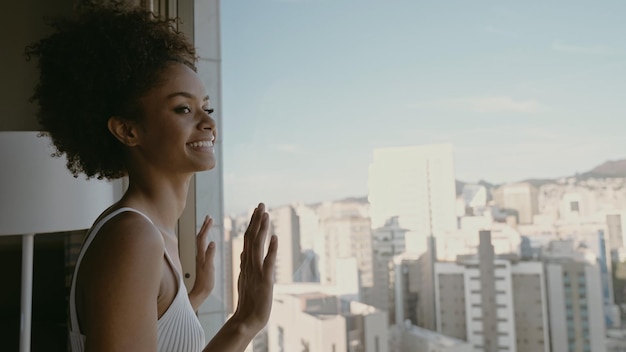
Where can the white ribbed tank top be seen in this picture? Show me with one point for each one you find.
(178, 329)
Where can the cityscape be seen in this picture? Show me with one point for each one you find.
(359, 124)
(427, 263)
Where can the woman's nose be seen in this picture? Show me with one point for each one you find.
(207, 123)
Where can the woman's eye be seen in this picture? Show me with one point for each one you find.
(183, 110)
(208, 111)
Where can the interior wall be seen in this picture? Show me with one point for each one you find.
(20, 26)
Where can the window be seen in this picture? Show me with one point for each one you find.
(333, 123)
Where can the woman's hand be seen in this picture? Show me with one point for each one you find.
(255, 286)
(205, 268)
(256, 279)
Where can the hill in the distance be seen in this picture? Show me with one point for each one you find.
(608, 169)
(611, 168)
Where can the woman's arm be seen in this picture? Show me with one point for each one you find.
(255, 285)
(120, 280)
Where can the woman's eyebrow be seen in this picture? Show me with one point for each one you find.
(186, 95)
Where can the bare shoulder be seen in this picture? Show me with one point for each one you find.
(119, 282)
(126, 239)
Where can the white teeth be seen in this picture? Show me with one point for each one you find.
(201, 144)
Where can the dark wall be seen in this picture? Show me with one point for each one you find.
(49, 327)
(21, 25)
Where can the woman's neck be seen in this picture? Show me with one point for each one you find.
(163, 199)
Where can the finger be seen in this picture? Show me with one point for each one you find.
(250, 235)
(210, 255)
(270, 260)
(210, 252)
(255, 221)
(209, 265)
(206, 224)
(203, 238)
(260, 239)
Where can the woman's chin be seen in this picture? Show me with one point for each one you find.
(210, 165)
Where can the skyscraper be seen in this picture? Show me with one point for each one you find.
(417, 185)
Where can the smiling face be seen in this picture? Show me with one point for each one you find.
(176, 133)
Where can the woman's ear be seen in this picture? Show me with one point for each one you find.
(124, 130)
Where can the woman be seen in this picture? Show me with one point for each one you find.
(119, 96)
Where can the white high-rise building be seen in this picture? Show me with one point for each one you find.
(576, 308)
(494, 304)
(417, 185)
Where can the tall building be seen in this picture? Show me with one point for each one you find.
(615, 231)
(522, 197)
(404, 295)
(426, 312)
(495, 304)
(346, 234)
(413, 289)
(576, 308)
(315, 321)
(417, 185)
(388, 241)
(309, 226)
(606, 279)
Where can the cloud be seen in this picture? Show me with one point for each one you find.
(487, 104)
(587, 50)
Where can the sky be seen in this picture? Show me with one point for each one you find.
(522, 89)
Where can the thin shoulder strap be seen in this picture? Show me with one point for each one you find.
(92, 234)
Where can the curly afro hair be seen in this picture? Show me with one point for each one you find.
(97, 65)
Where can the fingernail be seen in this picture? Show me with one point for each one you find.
(212, 245)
